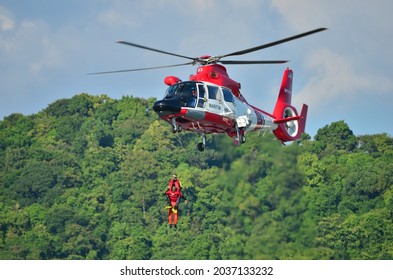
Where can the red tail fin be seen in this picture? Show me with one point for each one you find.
(290, 124)
(285, 94)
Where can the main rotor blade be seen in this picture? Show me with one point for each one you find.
(141, 69)
(253, 61)
(268, 45)
(155, 50)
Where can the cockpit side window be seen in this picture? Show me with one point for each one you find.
(228, 96)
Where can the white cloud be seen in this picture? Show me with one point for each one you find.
(302, 14)
(335, 80)
(32, 47)
(30, 54)
(352, 65)
(6, 26)
(332, 77)
(6, 20)
(117, 18)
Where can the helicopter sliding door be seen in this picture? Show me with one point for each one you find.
(214, 102)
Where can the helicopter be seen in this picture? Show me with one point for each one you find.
(210, 102)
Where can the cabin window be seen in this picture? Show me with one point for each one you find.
(228, 96)
(213, 92)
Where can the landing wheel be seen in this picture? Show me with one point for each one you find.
(176, 128)
(201, 147)
(239, 138)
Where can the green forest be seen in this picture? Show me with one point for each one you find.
(85, 179)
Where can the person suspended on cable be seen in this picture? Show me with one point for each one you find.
(174, 195)
(174, 181)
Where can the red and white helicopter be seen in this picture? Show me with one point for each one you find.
(211, 102)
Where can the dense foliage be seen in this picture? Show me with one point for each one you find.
(85, 177)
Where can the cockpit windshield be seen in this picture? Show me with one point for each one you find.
(187, 89)
(186, 93)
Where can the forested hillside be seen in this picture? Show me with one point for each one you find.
(85, 177)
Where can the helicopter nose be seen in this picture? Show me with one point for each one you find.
(167, 107)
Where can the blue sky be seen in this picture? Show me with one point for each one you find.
(47, 47)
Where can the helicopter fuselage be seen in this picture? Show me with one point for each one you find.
(201, 106)
(211, 102)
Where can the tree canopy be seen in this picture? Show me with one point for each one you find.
(85, 177)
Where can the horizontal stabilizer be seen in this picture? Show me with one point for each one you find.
(278, 121)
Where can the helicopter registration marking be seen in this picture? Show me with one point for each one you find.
(215, 106)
